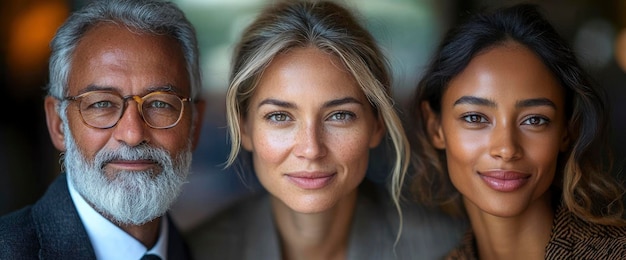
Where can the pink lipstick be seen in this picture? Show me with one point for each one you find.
(311, 180)
(504, 181)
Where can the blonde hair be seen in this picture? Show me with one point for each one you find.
(328, 27)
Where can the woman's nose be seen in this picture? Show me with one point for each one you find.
(310, 141)
(504, 143)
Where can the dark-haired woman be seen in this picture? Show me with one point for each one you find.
(511, 129)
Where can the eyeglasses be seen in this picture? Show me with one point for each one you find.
(103, 109)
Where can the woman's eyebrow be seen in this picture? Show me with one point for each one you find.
(535, 102)
(472, 100)
(276, 102)
(331, 103)
(341, 101)
(532, 102)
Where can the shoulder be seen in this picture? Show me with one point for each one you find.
(466, 250)
(420, 223)
(231, 217)
(426, 232)
(574, 237)
(20, 231)
(429, 232)
(18, 235)
(233, 230)
(50, 228)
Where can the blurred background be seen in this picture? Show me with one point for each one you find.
(408, 31)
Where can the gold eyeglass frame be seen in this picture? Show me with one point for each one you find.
(138, 99)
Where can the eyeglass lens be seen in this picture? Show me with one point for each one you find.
(103, 109)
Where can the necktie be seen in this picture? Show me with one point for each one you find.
(150, 257)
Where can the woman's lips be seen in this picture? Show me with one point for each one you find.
(504, 181)
(311, 180)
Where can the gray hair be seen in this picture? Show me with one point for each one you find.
(328, 27)
(143, 16)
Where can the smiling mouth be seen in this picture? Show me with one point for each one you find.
(311, 181)
(504, 181)
(132, 165)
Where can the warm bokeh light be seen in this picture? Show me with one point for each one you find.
(620, 49)
(29, 35)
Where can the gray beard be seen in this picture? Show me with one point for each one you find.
(130, 197)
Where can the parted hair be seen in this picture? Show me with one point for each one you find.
(332, 28)
(142, 16)
(583, 180)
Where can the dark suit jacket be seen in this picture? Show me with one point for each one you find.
(52, 229)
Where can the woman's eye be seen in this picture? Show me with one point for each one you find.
(473, 118)
(536, 120)
(341, 116)
(277, 117)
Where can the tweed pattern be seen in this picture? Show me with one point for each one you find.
(571, 238)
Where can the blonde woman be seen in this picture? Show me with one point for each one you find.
(309, 98)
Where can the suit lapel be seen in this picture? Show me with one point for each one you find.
(176, 247)
(261, 239)
(370, 235)
(60, 230)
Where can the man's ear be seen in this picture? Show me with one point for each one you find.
(198, 118)
(55, 125)
(433, 126)
(246, 139)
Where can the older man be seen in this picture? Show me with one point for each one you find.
(123, 106)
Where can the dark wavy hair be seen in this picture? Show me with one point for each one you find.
(583, 176)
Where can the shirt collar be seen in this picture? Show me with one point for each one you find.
(110, 241)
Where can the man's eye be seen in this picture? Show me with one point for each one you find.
(101, 104)
(159, 104)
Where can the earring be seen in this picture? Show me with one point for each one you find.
(62, 159)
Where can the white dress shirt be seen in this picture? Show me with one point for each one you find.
(109, 241)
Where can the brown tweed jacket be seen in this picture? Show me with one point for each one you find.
(572, 238)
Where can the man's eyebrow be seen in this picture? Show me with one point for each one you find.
(94, 87)
(165, 88)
